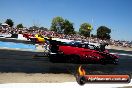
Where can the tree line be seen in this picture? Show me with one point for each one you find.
(64, 26)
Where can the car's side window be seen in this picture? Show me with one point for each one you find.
(90, 47)
(83, 46)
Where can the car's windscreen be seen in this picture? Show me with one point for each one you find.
(88, 46)
(72, 43)
(91, 47)
(81, 45)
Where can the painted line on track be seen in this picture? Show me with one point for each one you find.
(123, 54)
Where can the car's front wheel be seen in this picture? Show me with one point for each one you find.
(115, 62)
(74, 59)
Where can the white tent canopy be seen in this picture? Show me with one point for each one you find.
(4, 24)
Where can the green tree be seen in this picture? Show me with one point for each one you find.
(43, 28)
(57, 24)
(85, 29)
(9, 22)
(94, 36)
(103, 32)
(19, 26)
(34, 27)
(68, 27)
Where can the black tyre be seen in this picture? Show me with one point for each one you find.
(74, 59)
(52, 58)
(102, 61)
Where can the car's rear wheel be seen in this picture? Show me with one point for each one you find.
(52, 60)
(52, 57)
(74, 59)
(102, 61)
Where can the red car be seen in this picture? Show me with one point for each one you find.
(28, 36)
(34, 38)
(80, 53)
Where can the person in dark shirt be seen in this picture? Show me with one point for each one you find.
(54, 45)
(102, 46)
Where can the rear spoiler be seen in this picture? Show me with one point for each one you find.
(57, 41)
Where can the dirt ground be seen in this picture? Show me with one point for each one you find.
(35, 78)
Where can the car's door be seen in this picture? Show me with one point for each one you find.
(89, 52)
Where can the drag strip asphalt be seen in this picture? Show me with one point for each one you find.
(22, 61)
